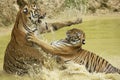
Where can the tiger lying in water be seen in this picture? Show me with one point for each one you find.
(70, 49)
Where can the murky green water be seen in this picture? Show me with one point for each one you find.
(102, 37)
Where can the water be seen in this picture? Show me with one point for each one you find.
(102, 38)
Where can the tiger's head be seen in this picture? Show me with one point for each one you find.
(76, 37)
(29, 14)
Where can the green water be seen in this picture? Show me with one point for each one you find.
(102, 38)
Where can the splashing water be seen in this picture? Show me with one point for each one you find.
(73, 72)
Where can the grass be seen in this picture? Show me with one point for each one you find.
(102, 37)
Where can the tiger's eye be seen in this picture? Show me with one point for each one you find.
(25, 10)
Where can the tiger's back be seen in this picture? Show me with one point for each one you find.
(94, 63)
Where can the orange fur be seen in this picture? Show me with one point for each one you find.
(20, 54)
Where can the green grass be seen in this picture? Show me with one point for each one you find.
(102, 37)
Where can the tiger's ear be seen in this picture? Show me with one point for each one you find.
(83, 41)
(21, 3)
(83, 38)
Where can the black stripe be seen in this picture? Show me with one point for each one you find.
(99, 60)
(86, 55)
(103, 61)
(87, 65)
(106, 64)
(15, 59)
(87, 61)
(32, 14)
(81, 56)
(26, 28)
(103, 67)
(96, 64)
(10, 71)
(16, 69)
(111, 69)
(100, 65)
(92, 62)
(46, 26)
(107, 68)
(10, 66)
(19, 64)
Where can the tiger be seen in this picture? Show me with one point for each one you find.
(21, 54)
(70, 49)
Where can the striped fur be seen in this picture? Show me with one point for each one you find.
(70, 49)
(20, 54)
(93, 63)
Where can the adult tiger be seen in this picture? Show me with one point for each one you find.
(70, 49)
(21, 54)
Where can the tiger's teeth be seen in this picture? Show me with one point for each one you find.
(73, 42)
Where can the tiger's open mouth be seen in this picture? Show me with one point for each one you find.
(75, 42)
(33, 17)
(34, 23)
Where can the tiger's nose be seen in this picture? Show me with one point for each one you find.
(42, 16)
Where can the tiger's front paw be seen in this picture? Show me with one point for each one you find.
(31, 37)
